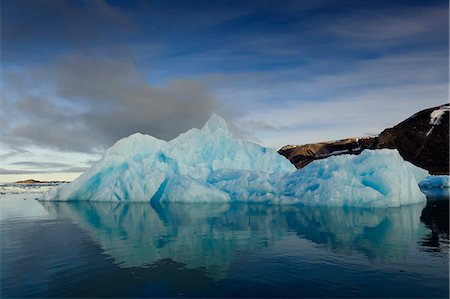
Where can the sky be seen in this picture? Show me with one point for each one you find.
(76, 76)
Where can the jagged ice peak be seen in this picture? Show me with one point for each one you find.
(216, 124)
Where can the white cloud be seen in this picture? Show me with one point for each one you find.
(363, 99)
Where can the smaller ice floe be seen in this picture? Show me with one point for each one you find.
(436, 187)
(435, 182)
(211, 165)
(436, 116)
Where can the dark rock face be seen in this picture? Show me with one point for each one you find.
(422, 139)
(302, 155)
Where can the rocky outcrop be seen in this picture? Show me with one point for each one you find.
(302, 155)
(30, 181)
(422, 139)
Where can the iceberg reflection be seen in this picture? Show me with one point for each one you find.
(213, 235)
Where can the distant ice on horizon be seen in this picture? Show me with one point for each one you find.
(210, 165)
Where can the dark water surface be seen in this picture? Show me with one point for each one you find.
(221, 250)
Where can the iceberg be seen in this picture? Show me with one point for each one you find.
(211, 165)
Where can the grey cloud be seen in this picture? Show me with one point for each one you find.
(73, 169)
(13, 151)
(80, 23)
(392, 25)
(68, 169)
(259, 124)
(43, 167)
(13, 171)
(34, 164)
(84, 103)
(245, 129)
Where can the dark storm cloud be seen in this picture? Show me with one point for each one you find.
(82, 103)
(45, 27)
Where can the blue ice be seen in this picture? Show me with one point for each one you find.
(211, 165)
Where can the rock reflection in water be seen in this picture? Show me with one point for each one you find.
(436, 217)
(212, 235)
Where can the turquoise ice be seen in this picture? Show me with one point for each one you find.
(211, 165)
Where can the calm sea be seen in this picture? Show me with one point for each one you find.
(51, 249)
